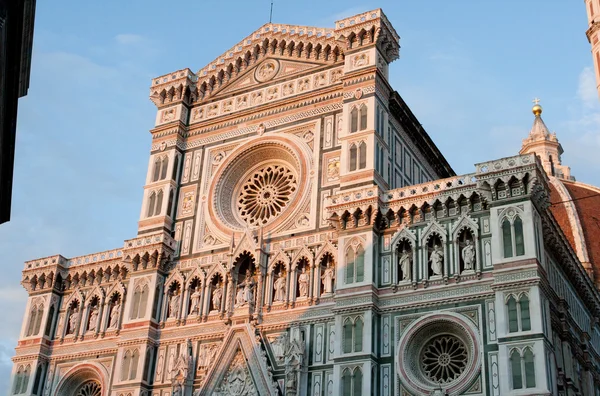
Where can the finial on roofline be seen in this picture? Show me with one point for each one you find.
(537, 109)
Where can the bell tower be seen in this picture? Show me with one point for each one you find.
(593, 34)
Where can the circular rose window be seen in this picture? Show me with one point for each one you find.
(439, 350)
(260, 185)
(265, 194)
(444, 359)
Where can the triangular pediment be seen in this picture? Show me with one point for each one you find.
(266, 71)
(240, 368)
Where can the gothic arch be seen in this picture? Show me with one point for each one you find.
(176, 276)
(304, 252)
(434, 228)
(279, 256)
(465, 222)
(95, 292)
(328, 247)
(81, 374)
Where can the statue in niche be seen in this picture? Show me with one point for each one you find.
(303, 280)
(328, 278)
(73, 320)
(436, 258)
(217, 295)
(195, 301)
(114, 315)
(174, 304)
(93, 319)
(279, 285)
(245, 293)
(361, 60)
(405, 262)
(468, 255)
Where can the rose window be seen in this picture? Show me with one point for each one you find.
(265, 194)
(444, 358)
(91, 388)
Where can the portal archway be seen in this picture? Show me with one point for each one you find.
(88, 379)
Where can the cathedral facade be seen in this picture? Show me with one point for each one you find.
(301, 234)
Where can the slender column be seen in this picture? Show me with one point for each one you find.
(260, 292)
(100, 315)
(269, 290)
(165, 301)
(206, 293)
(122, 313)
(288, 286)
(229, 287)
(316, 282)
(82, 320)
(105, 317)
(201, 302)
(477, 254)
(446, 259)
(311, 279)
(293, 284)
(183, 303)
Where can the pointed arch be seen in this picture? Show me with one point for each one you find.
(353, 153)
(156, 169)
(362, 155)
(363, 117)
(159, 199)
(151, 204)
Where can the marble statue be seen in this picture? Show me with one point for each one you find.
(437, 259)
(468, 255)
(303, 280)
(279, 288)
(195, 301)
(114, 316)
(93, 319)
(217, 295)
(405, 264)
(328, 278)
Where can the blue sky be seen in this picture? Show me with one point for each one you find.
(468, 70)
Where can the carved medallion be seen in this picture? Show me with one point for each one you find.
(267, 70)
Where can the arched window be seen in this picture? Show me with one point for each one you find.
(529, 368)
(363, 117)
(357, 382)
(143, 302)
(38, 383)
(156, 171)
(49, 331)
(515, 366)
(353, 157)
(512, 237)
(519, 242)
(519, 318)
(347, 382)
(347, 334)
(164, 166)
(507, 239)
(18, 380)
(26, 375)
(362, 155)
(358, 335)
(350, 257)
(360, 264)
(513, 320)
(354, 120)
(524, 311)
(151, 204)
(146, 375)
(32, 319)
(175, 166)
(38, 319)
(155, 304)
(126, 366)
(355, 264)
(170, 203)
(159, 199)
(135, 357)
(135, 303)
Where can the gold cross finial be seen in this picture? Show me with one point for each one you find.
(537, 109)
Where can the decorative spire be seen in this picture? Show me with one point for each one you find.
(545, 145)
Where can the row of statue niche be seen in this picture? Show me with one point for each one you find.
(436, 259)
(279, 284)
(93, 318)
(245, 292)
